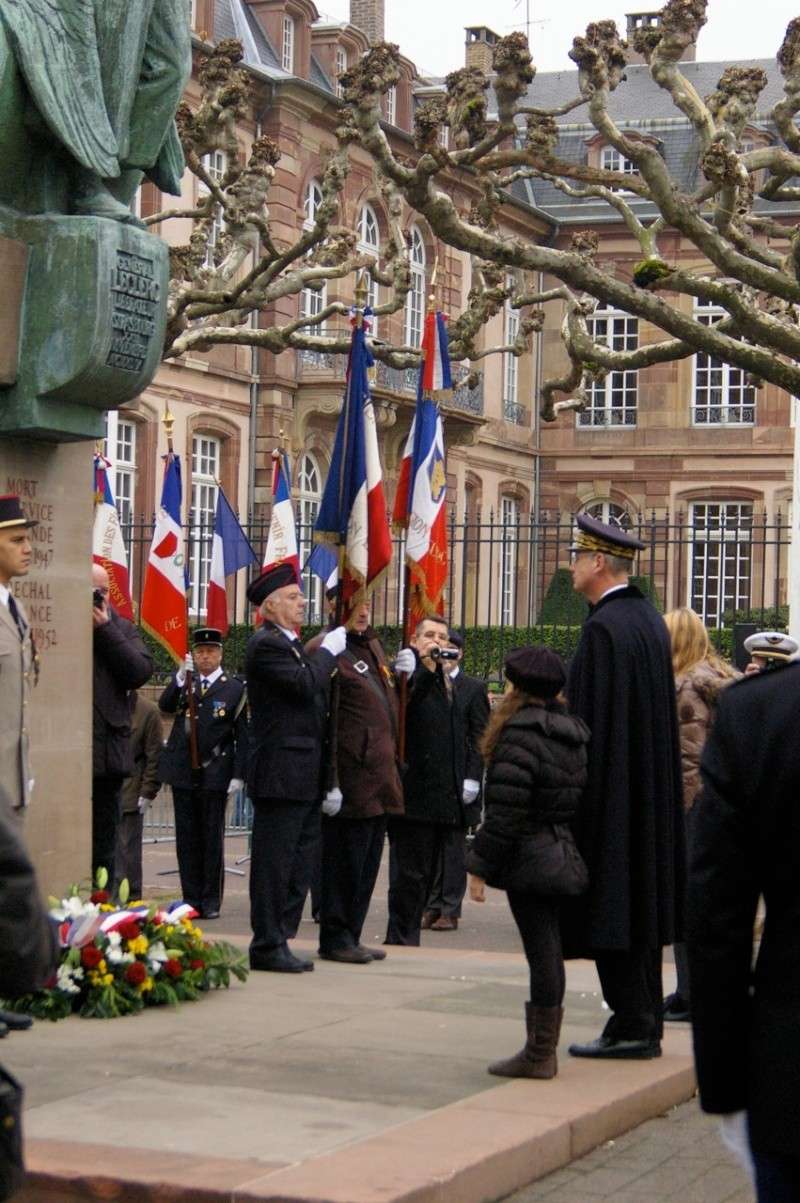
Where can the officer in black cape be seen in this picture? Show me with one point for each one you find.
(630, 827)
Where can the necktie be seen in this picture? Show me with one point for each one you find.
(13, 610)
(203, 686)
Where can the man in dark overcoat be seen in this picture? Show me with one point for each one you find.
(121, 663)
(138, 792)
(433, 782)
(470, 697)
(201, 795)
(354, 824)
(288, 690)
(746, 846)
(630, 824)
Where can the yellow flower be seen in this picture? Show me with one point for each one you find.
(108, 979)
(138, 902)
(102, 968)
(170, 928)
(107, 906)
(138, 946)
(147, 984)
(186, 921)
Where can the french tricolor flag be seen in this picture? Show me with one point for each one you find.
(282, 538)
(230, 551)
(419, 504)
(163, 609)
(108, 547)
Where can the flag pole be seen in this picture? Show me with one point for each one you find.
(169, 422)
(406, 617)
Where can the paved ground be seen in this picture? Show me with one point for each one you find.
(677, 1158)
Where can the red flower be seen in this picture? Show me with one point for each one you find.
(173, 967)
(135, 973)
(100, 896)
(91, 957)
(197, 963)
(129, 930)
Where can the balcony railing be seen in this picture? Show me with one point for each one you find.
(396, 380)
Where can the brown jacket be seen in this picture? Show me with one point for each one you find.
(367, 731)
(697, 695)
(146, 742)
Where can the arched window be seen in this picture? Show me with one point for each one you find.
(312, 202)
(610, 513)
(369, 240)
(309, 495)
(206, 466)
(415, 301)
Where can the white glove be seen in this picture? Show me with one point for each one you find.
(405, 661)
(471, 791)
(734, 1135)
(234, 785)
(335, 641)
(187, 667)
(332, 802)
(142, 805)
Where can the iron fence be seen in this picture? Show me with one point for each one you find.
(721, 558)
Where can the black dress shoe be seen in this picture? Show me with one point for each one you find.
(15, 1021)
(619, 1050)
(3, 1030)
(280, 962)
(377, 954)
(676, 1009)
(348, 956)
(210, 915)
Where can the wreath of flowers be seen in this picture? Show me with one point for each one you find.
(119, 959)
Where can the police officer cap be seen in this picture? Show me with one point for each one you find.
(593, 535)
(274, 578)
(206, 637)
(536, 670)
(771, 645)
(11, 514)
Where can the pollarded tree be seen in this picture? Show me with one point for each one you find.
(232, 268)
(755, 284)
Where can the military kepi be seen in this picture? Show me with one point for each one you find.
(206, 637)
(771, 645)
(593, 535)
(274, 578)
(11, 514)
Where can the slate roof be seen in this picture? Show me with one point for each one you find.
(638, 103)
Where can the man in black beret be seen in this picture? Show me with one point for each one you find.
(200, 796)
(288, 690)
(630, 825)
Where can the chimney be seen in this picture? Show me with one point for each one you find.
(480, 46)
(369, 16)
(650, 20)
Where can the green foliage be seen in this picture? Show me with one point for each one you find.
(562, 606)
(776, 618)
(647, 271)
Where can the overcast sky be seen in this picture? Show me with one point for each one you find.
(431, 32)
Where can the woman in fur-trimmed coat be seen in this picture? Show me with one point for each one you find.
(536, 772)
(700, 675)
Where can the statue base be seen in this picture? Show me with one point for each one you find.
(89, 319)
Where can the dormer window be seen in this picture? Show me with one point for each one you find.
(341, 67)
(287, 45)
(612, 160)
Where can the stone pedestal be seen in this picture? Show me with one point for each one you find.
(55, 485)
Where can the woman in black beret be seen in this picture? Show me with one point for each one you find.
(535, 757)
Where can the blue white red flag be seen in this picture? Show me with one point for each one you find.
(108, 546)
(352, 515)
(230, 551)
(163, 609)
(282, 538)
(419, 506)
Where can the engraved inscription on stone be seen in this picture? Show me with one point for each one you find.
(135, 298)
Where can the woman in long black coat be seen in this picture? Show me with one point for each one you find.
(536, 772)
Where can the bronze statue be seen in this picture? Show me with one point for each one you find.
(88, 93)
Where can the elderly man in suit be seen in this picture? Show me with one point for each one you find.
(288, 690)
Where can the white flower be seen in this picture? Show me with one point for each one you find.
(157, 952)
(114, 939)
(115, 956)
(74, 908)
(67, 977)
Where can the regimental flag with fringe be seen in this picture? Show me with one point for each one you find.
(163, 609)
(282, 537)
(108, 546)
(352, 515)
(230, 551)
(419, 506)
